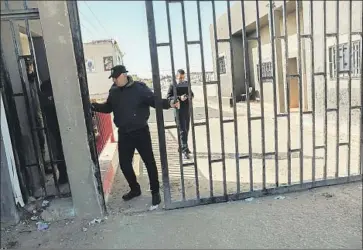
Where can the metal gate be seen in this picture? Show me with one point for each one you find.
(31, 160)
(290, 88)
(30, 170)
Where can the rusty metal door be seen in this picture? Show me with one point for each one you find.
(284, 149)
(22, 18)
(31, 165)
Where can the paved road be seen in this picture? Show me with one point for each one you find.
(327, 218)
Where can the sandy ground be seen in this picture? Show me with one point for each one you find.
(329, 217)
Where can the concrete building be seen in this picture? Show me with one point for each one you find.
(100, 57)
(291, 65)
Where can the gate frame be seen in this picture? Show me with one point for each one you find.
(279, 189)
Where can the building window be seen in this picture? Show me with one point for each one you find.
(266, 71)
(107, 63)
(222, 65)
(344, 58)
(356, 58)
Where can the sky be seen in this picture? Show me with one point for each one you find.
(125, 21)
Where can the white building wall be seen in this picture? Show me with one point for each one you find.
(98, 82)
(318, 20)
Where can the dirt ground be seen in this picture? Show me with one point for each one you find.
(328, 218)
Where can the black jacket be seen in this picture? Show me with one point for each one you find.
(170, 95)
(48, 105)
(130, 105)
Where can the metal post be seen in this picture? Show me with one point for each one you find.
(235, 121)
(274, 65)
(262, 99)
(349, 85)
(67, 71)
(159, 109)
(298, 23)
(190, 99)
(325, 99)
(312, 84)
(205, 100)
(337, 152)
(175, 98)
(219, 99)
(287, 84)
(247, 84)
(72, 7)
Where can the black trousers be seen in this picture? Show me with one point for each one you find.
(56, 146)
(184, 121)
(141, 140)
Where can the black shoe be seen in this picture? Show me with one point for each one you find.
(188, 151)
(132, 194)
(156, 199)
(186, 156)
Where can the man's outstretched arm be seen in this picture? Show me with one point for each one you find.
(102, 107)
(150, 99)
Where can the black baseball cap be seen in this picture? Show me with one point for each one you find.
(117, 71)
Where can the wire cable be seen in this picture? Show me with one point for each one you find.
(99, 22)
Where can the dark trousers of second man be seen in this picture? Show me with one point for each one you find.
(141, 140)
(184, 120)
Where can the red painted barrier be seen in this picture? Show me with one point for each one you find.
(103, 130)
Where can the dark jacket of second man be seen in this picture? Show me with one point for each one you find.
(130, 105)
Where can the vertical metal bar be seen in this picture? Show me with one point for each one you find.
(219, 99)
(99, 130)
(32, 53)
(261, 94)
(235, 122)
(175, 98)
(349, 84)
(82, 76)
(312, 84)
(325, 99)
(298, 23)
(361, 94)
(273, 58)
(159, 109)
(29, 113)
(190, 99)
(247, 85)
(287, 84)
(205, 100)
(337, 90)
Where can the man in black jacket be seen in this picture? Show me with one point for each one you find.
(130, 101)
(182, 114)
